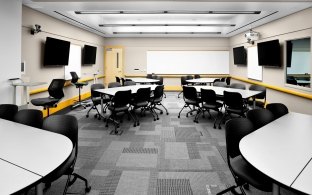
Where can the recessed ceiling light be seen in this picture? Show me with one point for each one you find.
(126, 25)
(168, 12)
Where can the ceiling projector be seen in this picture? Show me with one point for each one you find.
(252, 36)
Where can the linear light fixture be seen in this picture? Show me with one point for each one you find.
(168, 12)
(165, 33)
(126, 25)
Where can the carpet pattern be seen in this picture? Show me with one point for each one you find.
(170, 156)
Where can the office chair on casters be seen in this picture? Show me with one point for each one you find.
(55, 95)
(278, 109)
(242, 171)
(29, 117)
(66, 125)
(183, 82)
(260, 117)
(156, 99)
(96, 98)
(191, 99)
(78, 85)
(8, 111)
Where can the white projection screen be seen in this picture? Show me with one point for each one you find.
(188, 62)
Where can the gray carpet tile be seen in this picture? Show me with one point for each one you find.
(169, 156)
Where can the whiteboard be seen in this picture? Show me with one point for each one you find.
(187, 62)
(74, 62)
(254, 71)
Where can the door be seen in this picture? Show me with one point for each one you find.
(113, 63)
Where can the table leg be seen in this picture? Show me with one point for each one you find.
(254, 103)
(276, 189)
(102, 109)
(39, 189)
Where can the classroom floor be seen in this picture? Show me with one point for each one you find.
(169, 156)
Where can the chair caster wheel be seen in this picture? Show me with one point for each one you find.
(154, 119)
(178, 116)
(138, 124)
(88, 189)
(157, 118)
(191, 113)
(167, 113)
(134, 125)
(161, 112)
(87, 116)
(219, 127)
(214, 127)
(106, 125)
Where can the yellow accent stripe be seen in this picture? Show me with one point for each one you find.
(281, 89)
(44, 89)
(66, 103)
(172, 88)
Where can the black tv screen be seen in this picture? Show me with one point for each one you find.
(240, 55)
(89, 55)
(269, 53)
(56, 52)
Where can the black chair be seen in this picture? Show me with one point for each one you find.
(78, 85)
(196, 76)
(278, 109)
(260, 98)
(161, 82)
(242, 171)
(8, 111)
(119, 104)
(223, 79)
(260, 117)
(238, 86)
(129, 83)
(209, 102)
(191, 99)
(114, 84)
(117, 79)
(189, 77)
(66, 125)
(149, 76)
(30, 117)
(55, 95)
(156, 99)
(183, 82)
(234, 104)
(141, 100)
(228, 80)
(123, 81)
(219, 84)
(291, 80)
(96, 98)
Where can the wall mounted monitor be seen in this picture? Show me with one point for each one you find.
(240, 55)
(89, 55)
(269, 53)
(56, 52)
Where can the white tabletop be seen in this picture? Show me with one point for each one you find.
(133, 88)
(303, 81)
(201, 80)
(280, 149)
(28, 84)
(219, 90)
(303, 182)
(14, 178)
(144, 80)
(34, 149)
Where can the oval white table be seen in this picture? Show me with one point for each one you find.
(282, 150)
(144, 80)
(28, 154)
(202, 80)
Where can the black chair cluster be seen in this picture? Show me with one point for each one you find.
(124, 81)
(66, 125)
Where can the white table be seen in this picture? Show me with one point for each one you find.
(25, 86)
(219, 90)
(201, 80)
(144, 80)
(281, 150)
(34, 150)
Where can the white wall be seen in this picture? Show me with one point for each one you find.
(10, 46)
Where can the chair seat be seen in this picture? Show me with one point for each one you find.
(118, 109)
(140, 104)
(214, 106)
(237, 111)
(48, 101)
(192, 102)
(80, 84)
(247, 172)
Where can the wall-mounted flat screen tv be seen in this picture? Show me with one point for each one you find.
(56, 52)
(240, 55)
(269, 53)
(89, 55)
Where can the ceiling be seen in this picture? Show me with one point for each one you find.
(175, 18)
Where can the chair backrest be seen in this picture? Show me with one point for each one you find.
(95, 87)
(30, 117)
(114, 84)
(183, 80)
(161, 80)
(238, 86)
(235, 130)
(259, 88)
(74, 77)
(56, 88)
(189, 93)
(196, 76)
(260, 117)
(278, 109)
(291, 81)
(143, 94)
(117, 79)
(159, 91)
(149, 76)
(216, 80)
(8, 111)
(66, 125)
(223, 79)
(219, 84)
(121, 98)
(128, 83)
(189, 77)
(228, 80)
(208, 96)
(233, 100)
